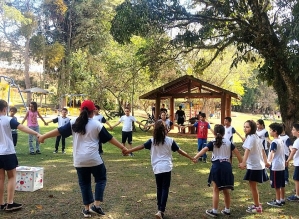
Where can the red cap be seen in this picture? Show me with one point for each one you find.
(88, 104)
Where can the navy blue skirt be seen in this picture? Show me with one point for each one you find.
(222, 174)
(256, 175)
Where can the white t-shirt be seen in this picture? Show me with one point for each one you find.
(161, 155)
(222, 153)
(127, 123)
(278, 162)
(85, 147)
(296, 156)
(286, 143)
(263, 134)
(61, 120)
(255, 159)
(229, 131)
(6, 143)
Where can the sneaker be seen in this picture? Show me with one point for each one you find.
(225, 212)
(13, 206)
(97, 210)
(253, 209)
(63, 152)
(293, 198)
(86, 213)
(32, 153)
(274, 203)
(38, 152)
(204, 160)
(159, 215)
(283, 202)
(55, 152)
(211, 213)
(2, 207)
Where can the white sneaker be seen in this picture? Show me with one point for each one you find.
(159, 215)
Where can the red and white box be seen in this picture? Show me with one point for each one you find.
(29, 179)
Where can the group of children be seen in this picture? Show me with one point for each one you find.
(87, 159)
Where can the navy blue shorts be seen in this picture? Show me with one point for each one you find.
(222, 174)
(127, 136)
(256, 175)
(8, 162)
(277, 179)
(296, 173)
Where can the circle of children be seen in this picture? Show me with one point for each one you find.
(87, 130)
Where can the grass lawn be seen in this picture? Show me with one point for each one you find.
(130, 192)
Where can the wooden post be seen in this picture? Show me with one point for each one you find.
(158, 103)
(223, 108)
(171, 115)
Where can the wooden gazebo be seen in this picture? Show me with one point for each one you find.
(190, 87)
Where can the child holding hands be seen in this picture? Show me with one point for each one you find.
(255, 160)
(161, 147)
(8, 158)
(221, 173)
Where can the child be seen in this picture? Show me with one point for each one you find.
(32, 123)
(263, 134)
(221, 173)
(202, 134)
(287, 147)
(180, 117)
(61, 120)
(160, 147)
(255, 158)
(295, 154)
(87, 160)
(14, 132)
(100, 118)
(127, 130)
(167, 123)
(8, 158)
(277, 160)
(229, 130)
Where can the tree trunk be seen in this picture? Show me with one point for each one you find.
(26, 70)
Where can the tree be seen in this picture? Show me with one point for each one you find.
(269, 28)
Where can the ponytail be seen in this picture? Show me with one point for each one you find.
(219, 133)
(81, 121)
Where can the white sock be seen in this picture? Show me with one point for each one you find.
(282, 200)
(227, 210)
(278, 201)
(215, 211)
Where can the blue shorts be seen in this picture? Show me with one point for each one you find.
(296, 173)
(277, 179)
(256, 175)
(127, 136)
(8, 162)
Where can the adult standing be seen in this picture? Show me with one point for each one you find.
(180, 117)
(87, 160)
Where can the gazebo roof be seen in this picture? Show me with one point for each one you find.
(188, 87)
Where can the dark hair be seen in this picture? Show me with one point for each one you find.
(14, 109)
(81, 121)
(3, 104)
(219, 133)
(203, 115)
(127, 108)
(228, 118)
(97, 106)
(253, 127)
(180, 107)
(65, 109)
(34, 104)
(276, 127)
(261, 122)
(159, 133)
(296, 126)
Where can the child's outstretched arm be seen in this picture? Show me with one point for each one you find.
(242, 165)
(202, 152)
(243, 139)
(42, 118)
(294, 150)
(140, 123)
(49, 134)
(237, 153)
(265, 158)
(137, 148)
(25, 117)
(115, 125)
(118, 144)
(183, 153)
(27, 130)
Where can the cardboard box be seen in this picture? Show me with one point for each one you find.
(29, 178)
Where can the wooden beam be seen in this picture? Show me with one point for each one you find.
(193, 95)
(223, 108)
(171, 113)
